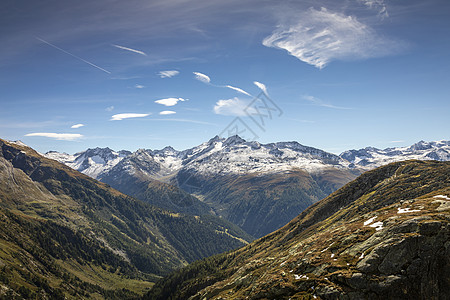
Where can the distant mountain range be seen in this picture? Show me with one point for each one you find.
(236, 156)
(370, 158)
(216, 170)
(384, 235)
(230, 177)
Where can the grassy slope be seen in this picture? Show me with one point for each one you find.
(328, 251)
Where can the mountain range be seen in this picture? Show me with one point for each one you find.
(259, 187)
(384, 235)
(234, 155)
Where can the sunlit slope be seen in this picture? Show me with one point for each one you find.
(384, 235)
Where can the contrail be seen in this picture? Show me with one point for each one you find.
(131, 50)
(73, 55)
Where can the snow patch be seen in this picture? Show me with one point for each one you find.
(442, 197)
(369, 221)
(377, 225)
(406, 210)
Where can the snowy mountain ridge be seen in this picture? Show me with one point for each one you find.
(370, 157)
(91, 162)
(234, 155)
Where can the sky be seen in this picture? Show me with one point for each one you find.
(334, 75)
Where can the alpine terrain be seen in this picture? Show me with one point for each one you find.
(259, 187)
(66, 235)
(384, 235)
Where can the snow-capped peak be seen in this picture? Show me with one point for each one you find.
(370, 157)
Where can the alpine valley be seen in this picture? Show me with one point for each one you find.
(259, 187)
(168, 224)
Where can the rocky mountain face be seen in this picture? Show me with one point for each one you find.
(64, 234)
(369, 158)
(384, 235)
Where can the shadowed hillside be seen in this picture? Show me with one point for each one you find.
(66, 234)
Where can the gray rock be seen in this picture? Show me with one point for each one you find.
(430, 228)
(358, 281)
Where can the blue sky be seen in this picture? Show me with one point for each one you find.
(335, 75)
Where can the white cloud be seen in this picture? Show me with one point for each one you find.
(232, 107)
(131, 50)
(398, 141)
(77, 126)
(238, 90)
(109, 108)
(169, 101)
(167, 112)
(139, 86)
(321, 36)
(379, 5)
(168, 74)
(202, 77)
(120, 117)
(57, 136)
(261, 86)
(320, 102)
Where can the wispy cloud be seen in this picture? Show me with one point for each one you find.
(202, 77)
(139, 86)
(399, 141)
(131, 50)
(167, 112)
(261, 86)
(238, 90)
(170, 101)
(77, 126)
(57, 136)
(320, 36)
(378, 5)
(168, 74)
(231, 107)
(109, 108)
(73, 55)
(320, 102)
(119, 117)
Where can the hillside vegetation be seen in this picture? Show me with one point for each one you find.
(64, 234)
(384, 235)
